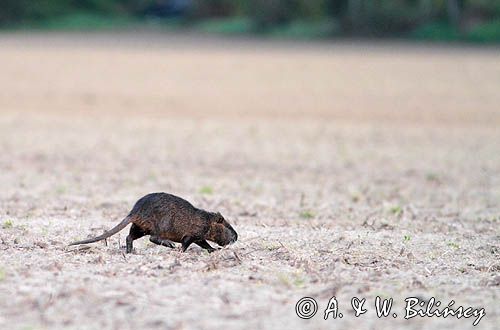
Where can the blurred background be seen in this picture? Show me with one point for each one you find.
(471, 20)
(354, 146)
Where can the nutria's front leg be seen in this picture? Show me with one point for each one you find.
(204, 244)
(161, 241)
(186, 242)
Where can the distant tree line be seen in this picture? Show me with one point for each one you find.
(355, 17)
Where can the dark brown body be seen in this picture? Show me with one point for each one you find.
(170, 218)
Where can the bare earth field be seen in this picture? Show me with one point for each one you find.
(348, 170)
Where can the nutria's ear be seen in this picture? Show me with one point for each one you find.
(220, 215)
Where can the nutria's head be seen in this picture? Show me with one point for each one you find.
(220, 230)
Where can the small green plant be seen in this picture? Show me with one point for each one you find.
(406, 238)
(292, 280)
(8, 224)
(284, 279)
(453, 245)
(272, 247)
(432, 177)
(61, 189)
(206, 190)
(29, 327)
(2, 274)
(299, 282)
(396, 210)
(307, 214)
(45, 229)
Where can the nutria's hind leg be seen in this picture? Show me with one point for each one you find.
(135, 233)
(161, 241)
(204, 244)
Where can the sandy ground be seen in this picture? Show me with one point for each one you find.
(348, 170)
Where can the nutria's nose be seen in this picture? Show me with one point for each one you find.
(235, 237)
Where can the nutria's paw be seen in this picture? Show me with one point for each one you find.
(161, 241)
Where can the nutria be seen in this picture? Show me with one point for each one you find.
(170, 218)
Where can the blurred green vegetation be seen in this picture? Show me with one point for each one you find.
(472, 20)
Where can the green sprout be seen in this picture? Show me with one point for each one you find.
(396, 210)
(206, 190)
(7, 224)
(307, 214)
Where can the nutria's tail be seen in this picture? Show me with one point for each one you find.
(107, 234)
